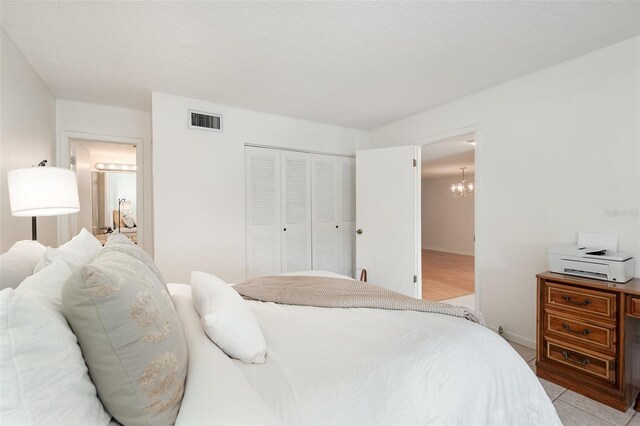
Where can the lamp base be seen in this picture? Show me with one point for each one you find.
(34, 230)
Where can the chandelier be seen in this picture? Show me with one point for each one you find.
(462, 188)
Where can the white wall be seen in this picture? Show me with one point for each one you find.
(199, 180)
(28, 120)
(447, 221)
(93, 119)
(557, 151)
(84, 218)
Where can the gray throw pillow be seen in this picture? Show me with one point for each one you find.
(130, 337)
(122, 244)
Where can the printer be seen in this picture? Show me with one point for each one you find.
(591, 262)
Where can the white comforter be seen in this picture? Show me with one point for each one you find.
(368, 366)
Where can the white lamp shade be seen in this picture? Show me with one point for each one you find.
(43, 191)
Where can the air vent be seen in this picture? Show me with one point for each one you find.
(205, 121)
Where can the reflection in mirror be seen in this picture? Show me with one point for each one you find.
(114, 203)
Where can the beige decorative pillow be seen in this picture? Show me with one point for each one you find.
(130, 337)
(117, 238)
(122, 244)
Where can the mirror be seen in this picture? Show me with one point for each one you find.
(107, 188)
(114, 203)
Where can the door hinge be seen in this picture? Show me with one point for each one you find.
(415, 278)
(415, 163)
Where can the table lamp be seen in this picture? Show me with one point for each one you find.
(42, 191)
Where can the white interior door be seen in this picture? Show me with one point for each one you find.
(347, 216)
(325, 214)
(388, 218)
(296, 211)
(264, 255)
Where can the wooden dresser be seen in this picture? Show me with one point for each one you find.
(588, 337)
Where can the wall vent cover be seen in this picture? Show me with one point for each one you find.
(205, 121)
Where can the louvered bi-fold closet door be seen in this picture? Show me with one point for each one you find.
(325, 223)
(295, 187)
(263, 212)
(347, 215)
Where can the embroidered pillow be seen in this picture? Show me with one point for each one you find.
(130, 337)
(122, 244)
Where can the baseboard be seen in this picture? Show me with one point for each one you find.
(465, 253)
(512, 337)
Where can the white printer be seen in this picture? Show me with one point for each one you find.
(591, 262)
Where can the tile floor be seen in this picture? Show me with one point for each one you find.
(468, 301)
(575, 409)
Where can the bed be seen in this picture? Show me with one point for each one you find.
(322, 365)
(362, 366)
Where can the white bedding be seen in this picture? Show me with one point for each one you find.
(368, 366)
(216, 393)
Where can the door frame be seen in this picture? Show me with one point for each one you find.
(477, 220)
(63, 160)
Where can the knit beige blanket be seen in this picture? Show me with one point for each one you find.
(342, 293)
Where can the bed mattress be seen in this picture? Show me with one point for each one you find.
(363, 366)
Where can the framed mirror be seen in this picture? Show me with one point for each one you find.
(113, 199)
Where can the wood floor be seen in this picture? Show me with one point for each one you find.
(446, 275)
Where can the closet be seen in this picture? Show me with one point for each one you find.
(333, 213)
(300, 212)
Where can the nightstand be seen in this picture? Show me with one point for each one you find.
(588, 337)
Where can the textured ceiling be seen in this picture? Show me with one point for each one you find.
(356, 64)
(445, 158)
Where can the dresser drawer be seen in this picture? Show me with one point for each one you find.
(599, 335)
(579, 300)
(633, 310)
(591, 363)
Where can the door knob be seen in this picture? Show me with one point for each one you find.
(359, 231)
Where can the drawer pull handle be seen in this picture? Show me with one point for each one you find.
(584, 332)
(584, 362)
(585, 302)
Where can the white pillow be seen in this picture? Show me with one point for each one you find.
(227, 319)
(19, 261)
(82, 249)
(44, 378)
(45, 286)
(129, 222)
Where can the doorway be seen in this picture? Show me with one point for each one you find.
(448, 220)
(107, 188)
